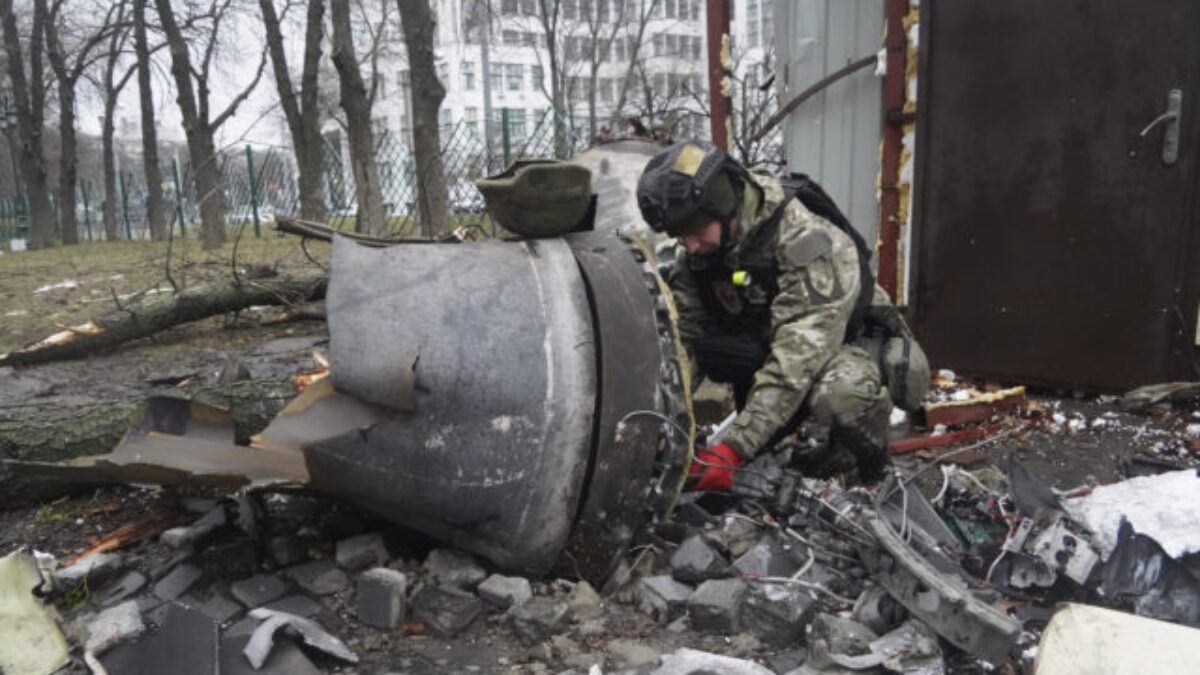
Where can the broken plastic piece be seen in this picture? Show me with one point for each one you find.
(1082, 639)
(32, 643)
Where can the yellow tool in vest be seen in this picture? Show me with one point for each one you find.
(741, 278)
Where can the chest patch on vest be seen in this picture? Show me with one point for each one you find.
(822, 280)
(808, 246)
(727, 295)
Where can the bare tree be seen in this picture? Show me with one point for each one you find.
(155, 208)
(357, 106)
(635, 38)
(29, 98)
(110, 84)
(192, 87)
(302, 112)
(69, 61)
(419, 28)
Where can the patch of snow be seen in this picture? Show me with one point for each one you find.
(1077, 424)
(1165, 507)
(938, 430)
(65, 284)
(1192, 430)
(16, 312)
(898, 417)
(961, 395)
(502, 423)
(117, 277)
(1059, 418)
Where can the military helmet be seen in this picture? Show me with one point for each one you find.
(538, 197)
(687, 186)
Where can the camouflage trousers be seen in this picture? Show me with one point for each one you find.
(844, 421)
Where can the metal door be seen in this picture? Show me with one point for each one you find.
(1055, 243)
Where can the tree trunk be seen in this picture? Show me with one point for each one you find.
(155, 209)
(29, 97)
(111, 231)
(304, 118)
(354, 101)
(199, 134)
(149, 316)
(419, 28)
(68, 172)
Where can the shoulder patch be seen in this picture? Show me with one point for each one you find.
(811, 244)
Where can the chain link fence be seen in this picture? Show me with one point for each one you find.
(260, 183)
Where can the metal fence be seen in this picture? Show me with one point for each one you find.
(261, 182)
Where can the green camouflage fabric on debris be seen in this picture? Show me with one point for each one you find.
(818, 286)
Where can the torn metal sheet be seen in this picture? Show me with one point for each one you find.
(1163, 587)
(1065, 551)
(32, 643)
(259, 647)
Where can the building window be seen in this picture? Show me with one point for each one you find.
(620, 45)
(568, 9)
(529, 7)
(660, 84)
(515, 76)
(516, 125)
(508, 7)
(496, 73)
(535, 75)
(606, 90)
(696, 49)
(471, 117)
(751, 23)
(602, 11)
(468, 75)
(659, 44)
(672, 45)
(444, 122)
(669, 8)
(511, 37)
(768, 24)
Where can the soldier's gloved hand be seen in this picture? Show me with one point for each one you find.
(713, 468)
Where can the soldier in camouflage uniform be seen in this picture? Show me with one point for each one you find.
(765, 292)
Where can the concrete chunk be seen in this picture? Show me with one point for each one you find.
(505, 592)
(361, 551)
(95, 567)
(539, 618)
(380, 596)
(445, 609)
(113, 625)
(258, 590)
(696, 560)
(585, 603)
(628, 654)
(664, 596)
(777, 613)
(716, 606)
(319, 577)
(770, 557)
(451, 567)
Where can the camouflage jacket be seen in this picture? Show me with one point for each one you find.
(818, 283)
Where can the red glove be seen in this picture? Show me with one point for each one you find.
(713, 468)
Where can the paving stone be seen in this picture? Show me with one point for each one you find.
(777, 613)
(770, 558)
(664, 596)
(113, 625)
(362, 551)
(184, 644)
(451, 567)
(539, 618)
(287, 550)
(300, 605)
(696, 560)
(258, 590)
(628, 654)
(319, 577)
(285, 659)
(585, 603)
(177, 581)
(446, 610)
(505, 592)
(96, 567)
(243, 627)
(380, 596)
(220, 608)
(229, 560)
(716, 606)
(126, 585)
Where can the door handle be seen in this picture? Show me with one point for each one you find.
(1170, 150)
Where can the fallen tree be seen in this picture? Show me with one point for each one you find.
(154, 313)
